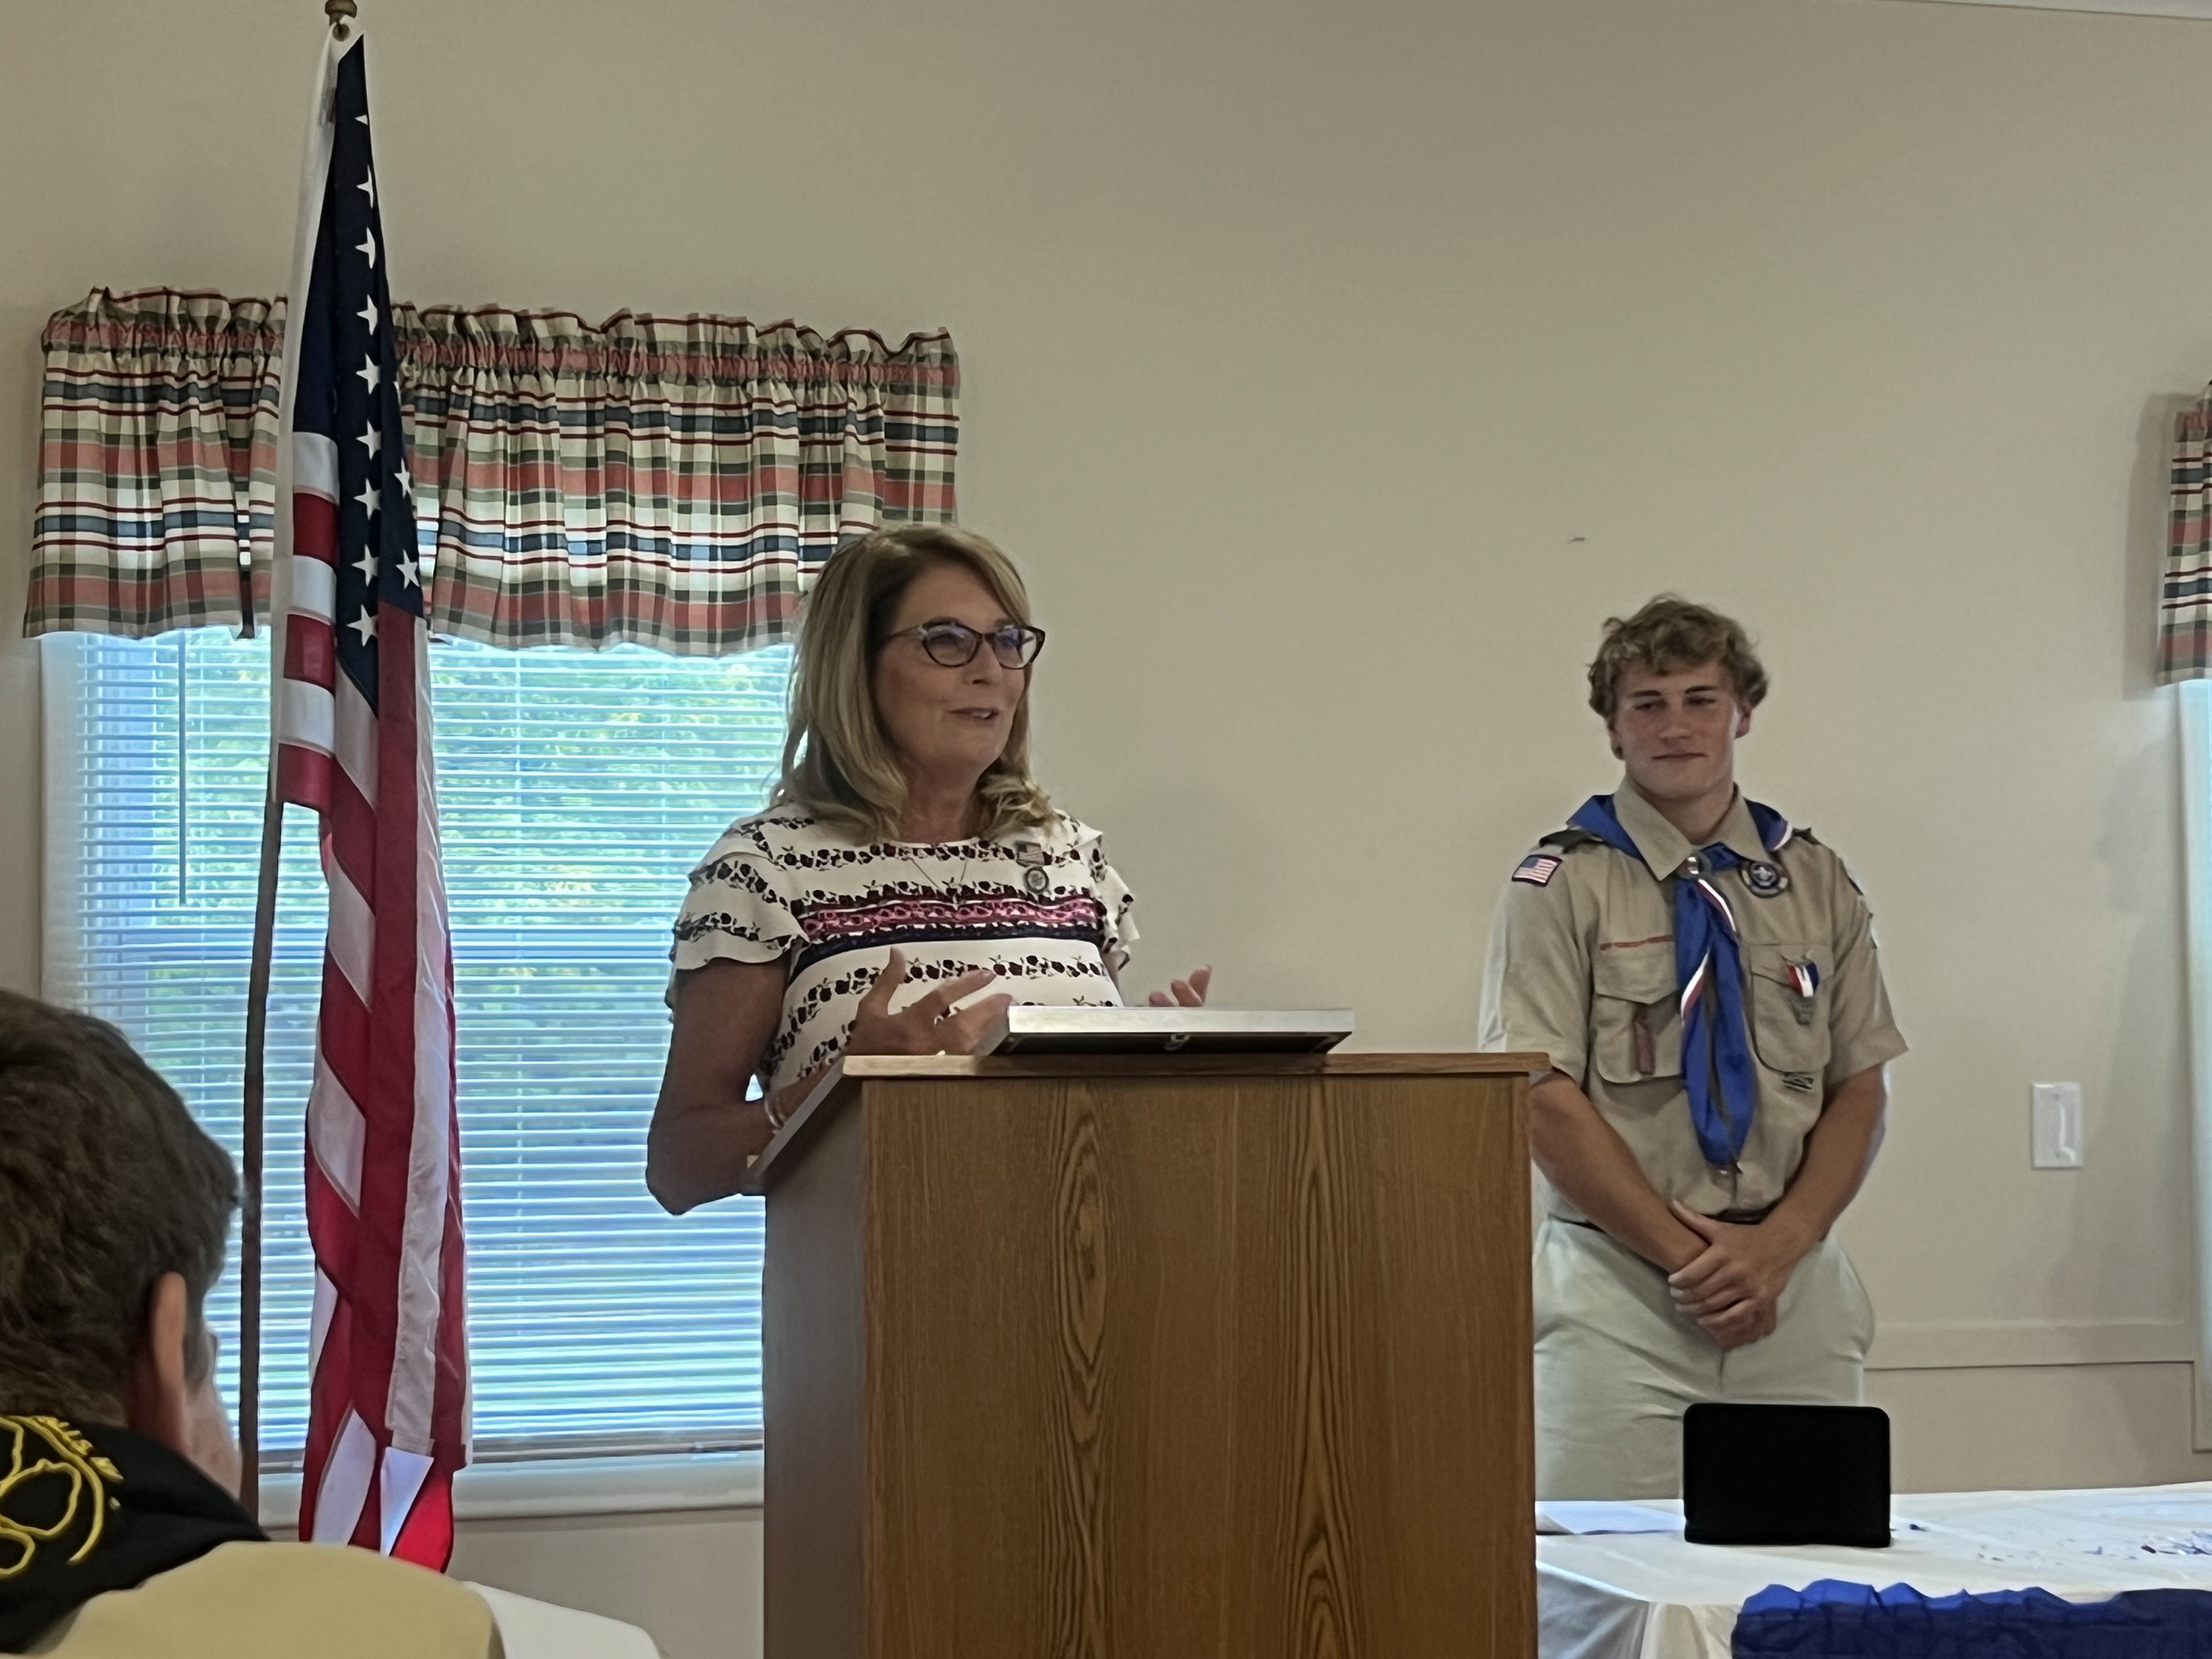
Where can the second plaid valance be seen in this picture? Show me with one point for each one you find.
(2184, 600)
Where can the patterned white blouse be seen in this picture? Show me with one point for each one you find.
(1041, 908)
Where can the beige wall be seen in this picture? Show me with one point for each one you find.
(1334, 369)
(694, 1581)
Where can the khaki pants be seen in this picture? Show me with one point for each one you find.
(1616, 1365)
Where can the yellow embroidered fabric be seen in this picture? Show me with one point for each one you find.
(41, 1449)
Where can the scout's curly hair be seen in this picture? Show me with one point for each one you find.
(106, 1184)
(1670, 634)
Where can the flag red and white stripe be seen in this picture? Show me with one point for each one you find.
(388, 1420)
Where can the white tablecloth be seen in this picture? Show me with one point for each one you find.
(1650, 1596)
(539, 1629)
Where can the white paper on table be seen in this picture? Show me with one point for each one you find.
(1585, 1517)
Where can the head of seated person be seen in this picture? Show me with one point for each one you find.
(115, 1207)
(116, 1462)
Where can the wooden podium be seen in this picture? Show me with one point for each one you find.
(1154, 1357)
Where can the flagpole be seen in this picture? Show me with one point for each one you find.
(249, 1234)
(255, 1084)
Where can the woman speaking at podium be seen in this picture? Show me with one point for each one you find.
(907, 864)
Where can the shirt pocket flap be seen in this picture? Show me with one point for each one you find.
(1639, 973)
(1788, 982)
(1779, 961)
(1636, 1031)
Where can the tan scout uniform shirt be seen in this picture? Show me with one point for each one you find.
(283, 1601)
(1581, 968)
(247, 1601)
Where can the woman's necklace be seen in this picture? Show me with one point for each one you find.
(957, 880)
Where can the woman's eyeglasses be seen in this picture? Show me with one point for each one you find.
(954, 645)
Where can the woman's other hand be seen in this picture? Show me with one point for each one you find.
(704, 1130)
(926, 1025)
(1186, 992)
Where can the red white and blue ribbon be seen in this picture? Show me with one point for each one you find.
(1716, 1063)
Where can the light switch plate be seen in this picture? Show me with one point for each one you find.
(2057, 1116)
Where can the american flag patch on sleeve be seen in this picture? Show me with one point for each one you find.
(1537, 868)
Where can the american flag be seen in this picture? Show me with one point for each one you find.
(388, 1417)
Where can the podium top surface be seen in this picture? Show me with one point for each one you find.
(877, 1067)
(857, 1069)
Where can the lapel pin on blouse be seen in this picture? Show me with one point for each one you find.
(1031, 858)
(1764, 880)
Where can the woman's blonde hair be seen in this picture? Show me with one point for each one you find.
(837, 763)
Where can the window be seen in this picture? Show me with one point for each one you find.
(577, 790)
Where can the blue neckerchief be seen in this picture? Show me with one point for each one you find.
(1708, 967)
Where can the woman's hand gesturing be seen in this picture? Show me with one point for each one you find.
(926, 1025)
(1188, 992)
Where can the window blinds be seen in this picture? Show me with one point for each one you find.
(577, 790)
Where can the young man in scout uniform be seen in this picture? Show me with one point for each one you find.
(1703, 976)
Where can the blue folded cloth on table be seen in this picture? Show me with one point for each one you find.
(1832, 1619)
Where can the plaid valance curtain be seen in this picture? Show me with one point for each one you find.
(672, 482)
(663, 480)
(157, 464)
(2184, 600)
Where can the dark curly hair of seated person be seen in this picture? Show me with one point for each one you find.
(106, 1184)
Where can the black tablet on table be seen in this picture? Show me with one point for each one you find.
(1785, 1474)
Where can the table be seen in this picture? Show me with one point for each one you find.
(1650, 1596)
